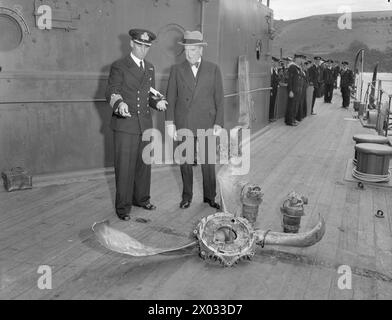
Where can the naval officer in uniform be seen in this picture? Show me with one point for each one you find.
(294, 89)
(315, 77)
(131, 95)
(274, 84)
(346, 84)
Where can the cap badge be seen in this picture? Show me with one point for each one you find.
(144, 36)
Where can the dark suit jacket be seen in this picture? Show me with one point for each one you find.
(133, 85)
(195, 103)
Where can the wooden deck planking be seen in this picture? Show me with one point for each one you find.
(310, 159)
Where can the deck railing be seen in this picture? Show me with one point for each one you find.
(383, 102)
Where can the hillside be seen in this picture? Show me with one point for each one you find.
(320, 35)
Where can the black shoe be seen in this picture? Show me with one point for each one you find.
(185, 204)
(212, 203)
(124, 217)
(147, 206)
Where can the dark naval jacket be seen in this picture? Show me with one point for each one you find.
(346, 78)
(128, 80)
(313, 73)
(275, 78)
(294, 82)
(328, 76)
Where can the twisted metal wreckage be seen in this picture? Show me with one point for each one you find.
(227, 236)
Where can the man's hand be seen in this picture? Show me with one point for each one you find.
(171, 131)
(217, 129)
(291, 94)
(162, 105)
(123, 110)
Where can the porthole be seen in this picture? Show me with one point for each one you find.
(11, 34)
(13, 27)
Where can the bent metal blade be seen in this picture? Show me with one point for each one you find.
(303, 239)
(120, 242)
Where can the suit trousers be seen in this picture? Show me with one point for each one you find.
(302, 109)
(346, 96)
(133, 176)
(208, 173)
(292, 108)
(328, 92)
(272, 107)
(315, 93)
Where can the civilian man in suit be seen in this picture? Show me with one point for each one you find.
(195, 97)
(275, 78)
(346, 83)
(129, 93)
(294, 89)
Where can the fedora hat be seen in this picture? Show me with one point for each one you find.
(193, 38)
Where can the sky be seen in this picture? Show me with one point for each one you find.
(295, 9)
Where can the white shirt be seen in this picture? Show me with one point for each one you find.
(137, 60)
(194, 69)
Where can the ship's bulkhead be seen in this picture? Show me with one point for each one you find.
(53, 116)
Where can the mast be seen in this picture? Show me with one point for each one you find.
(362, 58)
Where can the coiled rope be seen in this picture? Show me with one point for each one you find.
(371, 177)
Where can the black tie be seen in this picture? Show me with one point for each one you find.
(141, 66)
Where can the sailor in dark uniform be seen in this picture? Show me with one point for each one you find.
(336, 72)
(294, 89)
(286, 62)
(315, 79)
(131, 93)
(329, 80)
(274, 84)
(307, 64)
(321, 91)
(346, 83)
(301, 111)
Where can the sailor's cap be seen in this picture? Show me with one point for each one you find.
(299, 55)
(142, 36)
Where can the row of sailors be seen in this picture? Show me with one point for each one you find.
(300, 73)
